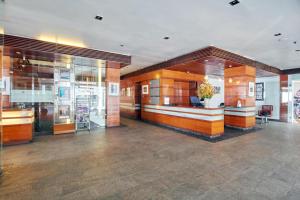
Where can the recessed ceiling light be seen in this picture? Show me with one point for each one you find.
(295, 42)
(18, 52)
(277, 34)
(297, 50)
(206, 60)
(234, 2)
(166, 38)
(98, 17)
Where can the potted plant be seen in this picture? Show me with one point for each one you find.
(206, 91)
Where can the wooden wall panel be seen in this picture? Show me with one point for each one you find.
(112, 102)
(237, 85)
(283, 91)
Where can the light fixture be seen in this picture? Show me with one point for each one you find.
(188, 72)
(295, 42)
(166, 38)
(234, 2)
(121, 45)
(297, 50)
(230, 66)
(98, 17)
(206, 60)
(62, 41)
(206, 77)
(277, 34)
(230, 80)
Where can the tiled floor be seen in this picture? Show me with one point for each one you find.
(142, 161)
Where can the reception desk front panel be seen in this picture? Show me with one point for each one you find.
(243, 117)
(17, 126)
(208, 122)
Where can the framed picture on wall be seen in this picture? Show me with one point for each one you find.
(260, 91)
(251, 89)
(113, 89)
(145, 89)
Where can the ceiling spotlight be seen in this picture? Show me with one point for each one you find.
(206, 60)
(18, 52)
(277, 34)
(230, 66)
(295, 42)
(166, 38)
(98, 17)
(234, 2)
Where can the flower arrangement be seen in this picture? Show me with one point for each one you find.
(206, 90)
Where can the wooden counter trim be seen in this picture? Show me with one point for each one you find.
(242, 114)
(205, 111)
(130, 106)
(197, 116)
(21, 117)
(63, 128)
(240, 109)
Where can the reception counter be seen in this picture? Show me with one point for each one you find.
(243, 117)
(204, 121)
(17, 126)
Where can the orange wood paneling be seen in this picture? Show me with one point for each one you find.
(237, 85)
(207, 128)
(63, 128)
(239, 121)
(14, 134)
(283, 105)
(112, 102)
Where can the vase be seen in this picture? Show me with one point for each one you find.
(206, 103)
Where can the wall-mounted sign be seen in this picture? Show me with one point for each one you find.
(113, 89)
(5, 85)
(145, 89)
(260, 91)
(251, 89)
(166, 100)
(128, 92)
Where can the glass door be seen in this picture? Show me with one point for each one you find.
(89, 93)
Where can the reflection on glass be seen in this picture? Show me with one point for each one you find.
(1, 99)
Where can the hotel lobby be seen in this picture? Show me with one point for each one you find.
(149, 100)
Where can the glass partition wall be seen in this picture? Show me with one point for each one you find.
(1, 99)
(61, 89)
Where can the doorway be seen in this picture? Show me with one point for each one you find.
(90, 90)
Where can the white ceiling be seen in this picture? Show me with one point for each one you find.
(247, 28)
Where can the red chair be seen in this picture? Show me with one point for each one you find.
(265, 112)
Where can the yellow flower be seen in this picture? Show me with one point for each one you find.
(206, 90)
